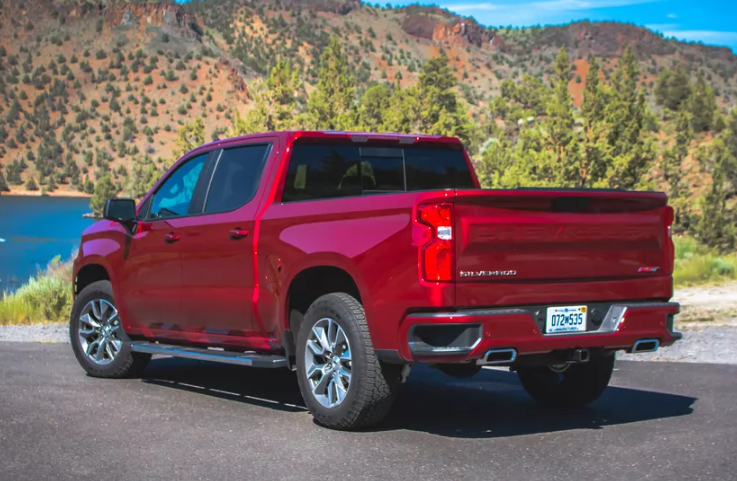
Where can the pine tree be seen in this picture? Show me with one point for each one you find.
(403, 111)
(716, 224)
(594, 157)
(673, 171)
(559, 125)
(274, 103)
(189, 136)
(142, 177)
(3, 185)
(330, 103)
(673, 88)
(31, 184)
(373, 105)
(632, 149)
(702, 105)
(436, 84)
(104, 190)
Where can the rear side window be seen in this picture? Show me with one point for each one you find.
(330, 171)
(236, 178)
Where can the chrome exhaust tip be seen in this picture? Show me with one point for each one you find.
(645, 345)
(496, 357)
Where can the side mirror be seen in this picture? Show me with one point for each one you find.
(120, 210)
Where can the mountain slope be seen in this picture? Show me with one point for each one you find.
(87, 87)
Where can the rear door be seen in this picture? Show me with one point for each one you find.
(553, 236)
(218, 247)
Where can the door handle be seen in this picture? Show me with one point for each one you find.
(171, 237)
(238, 234)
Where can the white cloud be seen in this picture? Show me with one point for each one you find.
(566, 5)
(472, 6)
(662, 27)
(713, 37)
(672, 15)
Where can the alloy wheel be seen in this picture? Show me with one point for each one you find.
(99, 328)
(328, 362)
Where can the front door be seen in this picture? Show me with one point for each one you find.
(151, 276)
(218, 250)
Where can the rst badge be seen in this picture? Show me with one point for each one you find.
(487, 273)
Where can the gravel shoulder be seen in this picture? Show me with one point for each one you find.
(708, 321)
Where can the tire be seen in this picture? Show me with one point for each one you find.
(371, 386)
(579, 384)
(96, 301)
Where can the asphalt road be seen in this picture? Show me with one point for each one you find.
(189, 420)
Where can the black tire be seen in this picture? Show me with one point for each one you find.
(126, 362)
(578, 385)
(373, 384)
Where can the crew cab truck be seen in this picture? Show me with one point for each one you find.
(348, 257)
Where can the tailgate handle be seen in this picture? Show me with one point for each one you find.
(571, 204)
(238, 234)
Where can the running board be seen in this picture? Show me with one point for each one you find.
(251, 359)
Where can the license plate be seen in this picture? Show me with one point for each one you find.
(566, 319)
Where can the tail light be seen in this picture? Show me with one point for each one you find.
(670, 249)
(436, 255)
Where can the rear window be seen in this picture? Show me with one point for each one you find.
(329, 171)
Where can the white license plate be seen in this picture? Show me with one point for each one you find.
(566, 319)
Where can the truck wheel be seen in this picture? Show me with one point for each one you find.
(342, 382)
(96, 332)
(574, 385)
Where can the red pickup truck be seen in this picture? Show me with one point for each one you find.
(350, 256)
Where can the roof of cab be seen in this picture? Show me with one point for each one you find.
(358, 137)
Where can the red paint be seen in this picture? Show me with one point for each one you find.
(224, 279)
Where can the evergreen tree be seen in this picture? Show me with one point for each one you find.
(52, 184)
(631, 148)
(3, 185)
(436, 84)
(142, 177)
(403, 111)
(559, 126)
(104, 190)
(31, 184)
(672, 88)
(189, 136)
(673, 171)
(716, 224)
(274, 103)
(330, 103)
(594, 157)
(702, 105)
(373, 106)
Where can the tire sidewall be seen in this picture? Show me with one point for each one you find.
(96, 290)
(333, 308)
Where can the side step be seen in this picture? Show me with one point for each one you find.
(251, 359)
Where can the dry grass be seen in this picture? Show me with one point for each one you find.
(696, 264)
(45, 298)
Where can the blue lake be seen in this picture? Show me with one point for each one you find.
(36, 229)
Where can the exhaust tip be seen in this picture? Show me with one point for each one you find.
(645, 345)
(498, 356)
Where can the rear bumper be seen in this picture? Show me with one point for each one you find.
(474, 332)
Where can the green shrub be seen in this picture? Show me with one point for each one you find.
(697, 264)
(46, 297)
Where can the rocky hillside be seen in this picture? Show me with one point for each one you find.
(88, 86)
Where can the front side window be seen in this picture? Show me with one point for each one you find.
(236, 178)
(174, 196)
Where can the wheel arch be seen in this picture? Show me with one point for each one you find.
(311, 283)
(88, 273)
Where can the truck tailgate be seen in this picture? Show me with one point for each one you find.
(559, 235)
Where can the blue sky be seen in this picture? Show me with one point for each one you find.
(713, 22)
